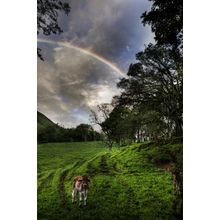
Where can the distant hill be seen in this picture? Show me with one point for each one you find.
(43, 122)
(46, 129)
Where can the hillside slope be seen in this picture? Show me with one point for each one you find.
(124, 183)
(43, 122)
(46, 129)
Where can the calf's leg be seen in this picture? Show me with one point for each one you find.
(74, 193)
(80, 197)
(85, 197)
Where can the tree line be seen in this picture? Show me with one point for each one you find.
(56, 133)
(150, 106)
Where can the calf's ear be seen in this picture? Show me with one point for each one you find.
(75, 178)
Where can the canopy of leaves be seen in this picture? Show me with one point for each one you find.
(119, 124)
(47, 17)
(166, 20)
(156, 83)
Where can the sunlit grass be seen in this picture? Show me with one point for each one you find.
(124, 184)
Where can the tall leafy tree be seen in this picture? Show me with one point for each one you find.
(120, 125)
(84, 132)
(98, 117)
(166, 20)
(155, 81)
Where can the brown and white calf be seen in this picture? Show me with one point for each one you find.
(81, 186)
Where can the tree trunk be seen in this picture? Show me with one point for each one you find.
(179, 128)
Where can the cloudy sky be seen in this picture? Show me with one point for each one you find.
(71, 81)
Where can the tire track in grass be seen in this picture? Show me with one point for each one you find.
(88, 167)
(79, 168)
(103, 164)
(62, 181)
(45, 181)
(65, 179)
(61, 188)
(131, 201)
(96, 165)
(108, 194)
(99, 166)
(74, 169)
(66, 176)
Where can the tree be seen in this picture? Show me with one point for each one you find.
(149, 125)
(166, 20)
(156, 83)
(47, 17)
(120, 125)
(98, 117)
(84, 132)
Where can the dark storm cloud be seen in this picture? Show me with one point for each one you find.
(69, 82)
(108, 27)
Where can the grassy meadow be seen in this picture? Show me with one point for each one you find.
(124, 183)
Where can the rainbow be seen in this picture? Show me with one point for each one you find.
(84, 51)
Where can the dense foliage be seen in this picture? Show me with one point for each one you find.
(154, 84)
(150, 106)
(166, 20)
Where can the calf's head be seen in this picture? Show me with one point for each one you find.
(81, 181)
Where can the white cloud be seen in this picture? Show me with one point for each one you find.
(73, 84)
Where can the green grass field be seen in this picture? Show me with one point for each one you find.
(124, 184)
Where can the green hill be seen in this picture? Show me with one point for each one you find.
(46, 129)
(44, 122)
